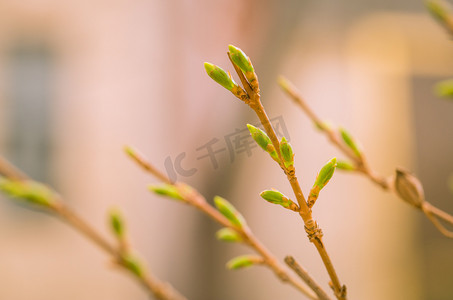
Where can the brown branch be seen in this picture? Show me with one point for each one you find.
(159, 289)
(193, 198)
(311, 227)
(433, 213)
(305, 276)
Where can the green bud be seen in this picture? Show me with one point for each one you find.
(445, 88)
(30, 191)
(345, 165)
(229, 211)
(437, 10)
(219, 76)
(117, 223)
(276, 197)
(228, 235)
(287, 152)
(243, 262)
(324, 126)
(263, 141)
(350, 142)
(166, 190)
(133, 264)
(260, 137)
(326, 173)
(409, 188)
(240, 59)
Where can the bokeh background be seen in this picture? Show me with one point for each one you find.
(80, 79)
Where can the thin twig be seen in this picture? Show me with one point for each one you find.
(311, 227)
(305, 276)
(432, 213)
(195, 199)
(159, 289)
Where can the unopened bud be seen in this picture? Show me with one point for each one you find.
(276, 197)
(240, 59)
(117, 223)
(322, 179)
(228, 235)
(219, 76)
(30, 191)
(243, 262)
(287, 153)
(229, 211)
(345, 165)
(133, 264)
(409, 188)
(166, 190)
(350, 142)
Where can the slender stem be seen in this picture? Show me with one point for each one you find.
(433, 213)
(159, 289)
(299, 270)
(8, 170)
(311, 227)
(195, 199)
(199, 202)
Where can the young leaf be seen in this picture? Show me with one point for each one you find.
(219, 76)
(350, 142)
(321, 180)
(166, 190)
(30, 191)
(240, 59)
(243, 262)
(229, 211)
(409, 188)
(228, 235)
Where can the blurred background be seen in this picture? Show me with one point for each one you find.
(81, 79)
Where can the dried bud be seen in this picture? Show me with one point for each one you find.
(350, 142)
(345, 165)
(30, 191)
(166, 190)
(219, 76)
(445, 88)
(229, 211)
(287, 153)
(276, 197)
(228, 235)
(409, 188)
(240, 59)
(243, 261)
(117, 223)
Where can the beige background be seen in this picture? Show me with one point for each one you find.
(131, 72)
